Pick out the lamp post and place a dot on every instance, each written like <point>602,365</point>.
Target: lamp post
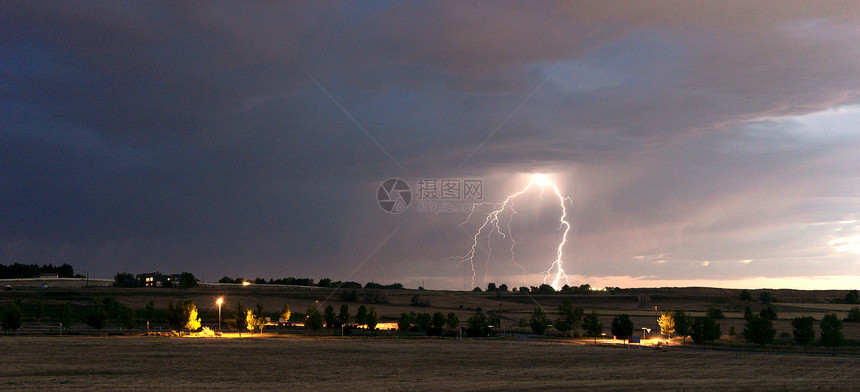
<point>219,301</point>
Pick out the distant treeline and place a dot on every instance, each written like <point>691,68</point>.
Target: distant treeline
<point>326,282</point>
<point>18,271</point>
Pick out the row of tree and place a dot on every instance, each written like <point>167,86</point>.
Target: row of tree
<point>758,328</point>
<point>325,282</point>
<point>314,320</point>
<point>570,318</point>
<point>433,325</point>
<point>19,271</point>
<point>542,289</point>
<point>701,329</point>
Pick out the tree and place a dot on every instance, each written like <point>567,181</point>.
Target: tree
<point>372,319</point>
<point>592,325</point>
<point>768,313</point>
<point>66,271</point>
<point>124,279</point>
<point>66,316</point>
<point>538,321</point>
<point>803,330</point>
<point>545,288</point>
<point>285,313</point>
<point>503,288</point>
<point>192,322</point>
<point>127,318</point>
<point>344,317</point>
<point>361,315</point>
<point>438,320</point>
<point>569,317</point>
<point>177,316</point>
<point>187,280</point>
<point>419,301</point>
<point>452,321</point>
<point>313,318</point>
<point>97,317</point>
<point>150,310</point>
<point>746,295</point>
<point>759,330</point>
<point>13,317</point>
<point>330,317</point>
<point>404,322</point>
<point>226,279</point>
<point>705,329</point>
<point>252,322</point>
<point>238,322</point>
<point>667,324</point>
<point>852,297</point>
<point>766,297</point>
<point>112,307</point>
<point>715,313</point>
<point>831,331</point>
<point>349,295</point>
<point>375,297</point>
<point>853,315</point>
<point>477,289</point>
<point>622,327</point>
<point>423,321</point>
<point>255,319</point>
<point>478,324</point>
<point>491,287</point>
<point>682,324</point>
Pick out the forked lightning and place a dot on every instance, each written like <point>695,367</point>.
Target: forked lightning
<point>492,226</point>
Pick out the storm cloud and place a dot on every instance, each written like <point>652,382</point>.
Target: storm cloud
<point>699,141</point>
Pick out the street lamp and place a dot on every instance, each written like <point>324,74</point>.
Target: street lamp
<point>219,301</point>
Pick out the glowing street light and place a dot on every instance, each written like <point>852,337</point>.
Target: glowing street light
<point>219,301</point>
<point>645,332</point>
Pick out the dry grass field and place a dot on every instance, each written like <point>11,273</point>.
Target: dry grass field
<point>638,303</point>
<point>292,363</point>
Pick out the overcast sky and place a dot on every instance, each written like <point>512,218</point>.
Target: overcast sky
<point>700,143</point>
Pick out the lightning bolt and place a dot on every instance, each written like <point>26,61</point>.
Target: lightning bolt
<point>492,225</point>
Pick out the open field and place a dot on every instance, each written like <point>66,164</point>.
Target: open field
<point>292,361</point>
<point>130,363</point>
<point>638,303</point>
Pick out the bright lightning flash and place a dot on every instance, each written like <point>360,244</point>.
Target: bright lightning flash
<point>492,226</point>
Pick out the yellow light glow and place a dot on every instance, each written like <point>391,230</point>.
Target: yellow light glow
<point>246,283</point>
<point>541,179</point>
<point>219,301</point>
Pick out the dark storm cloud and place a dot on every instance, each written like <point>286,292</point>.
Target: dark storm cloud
<point>228,137</point>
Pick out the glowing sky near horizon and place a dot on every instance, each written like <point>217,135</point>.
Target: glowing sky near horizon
<point>701,144</point>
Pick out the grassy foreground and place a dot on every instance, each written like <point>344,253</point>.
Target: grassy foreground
<point>292,363</point>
